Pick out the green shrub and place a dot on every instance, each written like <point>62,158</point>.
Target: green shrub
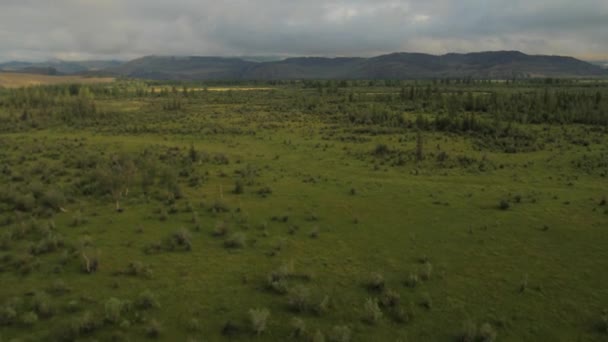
<point>147,300</point>
<point>298,298</point>
<point>504,204</point>
<point>426,271</point>
<point>89,262</point>
<point>180,240</point>
<point>372,313</point>
<point>298,327</point>
<point>237,240</point>
<point>486,333</point>
<point>390,299</point>
<point>604,322</point>
<point>113,309</point>
<point>29,318</point>
<point>323,306</point>
<point>258,318</point>
<point>85,324</point>
<point>239,187</point>
<point>221,229</point>
<point>412,280</point>
<point>153,329</point>
<point>340,333</point>
<point>41,305</point>
<point>469,332</point>
<point>318,336</point>
<point>426,301</point>
<point>138,269</point>
<point>375,282</point>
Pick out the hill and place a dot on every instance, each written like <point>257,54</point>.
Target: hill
<point>53,67</point>
<point>17,80</point>
<point>495,65</point>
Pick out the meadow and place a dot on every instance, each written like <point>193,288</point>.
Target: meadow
<point>447,210</point>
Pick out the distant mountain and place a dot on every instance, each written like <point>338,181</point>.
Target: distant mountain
<point>55,67</point>
<point>480,65</point>
<point>601,64</point>
<point>497,65</point>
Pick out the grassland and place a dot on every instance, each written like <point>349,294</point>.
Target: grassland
<point>309,212</point>
<point>17,80</point>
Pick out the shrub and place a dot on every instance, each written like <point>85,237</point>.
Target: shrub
<point>375,282</point>
<point>426,271</point>
<point>258,319</point>
<point>147,300</point>
<point>504,204</point>
<point>58,288</point>
<point>299,298</point>
<point>469,332</point>
<point>486,333</point>
<point>298,327</point>
<point>154,329</point>
<point>237,240</point>
<point>239,187</point>
<point>390,299</point>
<point>41,305</point>
<point>412,280</point>
<point>323,306</point>
<point>402,315</point>
<point>230,328</point>
<point>426,301</point>
<point>221,229</point>
<point>113,309</point>
<point>219,206</point>
<point>89,264</point>
<point>137,268</point>
<point>314,233</point>
<point>318,336</point>
<point>85,324</point>
<point>194,325</point>
<point>372,313</point>
<point>181,239</point>
<point>8,314</point>
<point>340,333</point>
<point>604,322</point>
<point>29,318</point>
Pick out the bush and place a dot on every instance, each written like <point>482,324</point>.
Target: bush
<point>85,324</point>
<point>239,187</point>
<point>181,239</point>
<point>469,332</point>
<point>340,333</point>
<point>221,229</point>
<point>298,327</point>
<point>426,301</point>
<point>372,313</point>
<point>604,322</point>
<point>89,264</point>
<point>219,206</point>
<point>426,271</point>
<point>258,319</point>
<point>486,333</point>
<point>41,305</point>
<point>299,298</point>
<point>323,306</point>
<point>154,329</point>
<point>8,314</point>
<point>375,282</point>
<point>237,240</point>
<point>29,318</point>
<point>113,309</point>
<point>504,204</point>
<point>137,268</point>
<point>390,299</point>
<point>147,300</point>
<point>318,336</point>
<point>412,280</point>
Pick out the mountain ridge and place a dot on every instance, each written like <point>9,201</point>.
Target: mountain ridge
<point>398,65</point>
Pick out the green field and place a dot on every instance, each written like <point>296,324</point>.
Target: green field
<point>316,211</point>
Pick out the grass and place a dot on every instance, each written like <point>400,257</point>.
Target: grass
<point>429,246</point>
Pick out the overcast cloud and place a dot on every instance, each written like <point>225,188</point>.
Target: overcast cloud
<point>103,29</point>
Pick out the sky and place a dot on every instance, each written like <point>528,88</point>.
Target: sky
<point>126,29</point>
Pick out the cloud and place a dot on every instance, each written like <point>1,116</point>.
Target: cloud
<point>75,29</point>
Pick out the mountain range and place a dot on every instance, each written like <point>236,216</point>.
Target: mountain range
<point>482,65</point>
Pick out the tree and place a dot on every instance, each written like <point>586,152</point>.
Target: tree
<point>419,146</point>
